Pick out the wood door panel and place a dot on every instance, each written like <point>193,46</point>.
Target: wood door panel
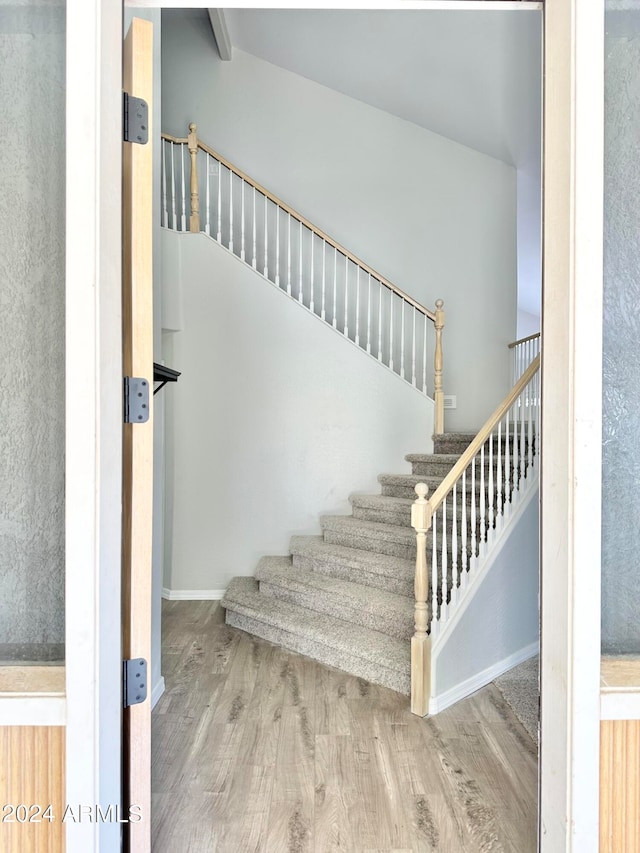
<point>137,287</point>
<point>32,761</point>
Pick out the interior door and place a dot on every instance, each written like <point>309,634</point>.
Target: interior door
<point>137,312</point>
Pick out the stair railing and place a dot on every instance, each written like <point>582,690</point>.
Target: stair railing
<point>301,259</point>
<point>523,352</point>
<point>466,514</point>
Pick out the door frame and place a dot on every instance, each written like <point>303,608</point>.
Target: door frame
<point>570,492</point>
<point>93,420</point>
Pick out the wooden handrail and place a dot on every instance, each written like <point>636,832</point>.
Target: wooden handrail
<point>178,140</point>
<point>463,463</point>
<point>524,340</point>
<point>300,218</point>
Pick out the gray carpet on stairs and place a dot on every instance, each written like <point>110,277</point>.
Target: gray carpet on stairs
<point>520,688</point>
<point>346,599</point>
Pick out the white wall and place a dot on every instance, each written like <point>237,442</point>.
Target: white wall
<point>276,419</point>
<point>530,241</point>
<point>528,324</point>
<point>435,217</point>
<point>500,625</point>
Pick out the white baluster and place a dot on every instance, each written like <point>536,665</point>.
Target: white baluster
<point>402,341</point>
<point>254,262</point>
<point>445,565</point>
<point>278,245</point>
<point>289,254</point>
<point>165,215</point>
<point>380,323</point>
<point>335,287</point>
<point>266,238</point>
<point>523,447</point>
<point>391,331</point>
<point>455,566</point>
<point>324,254</point>
<point>474,522</point>
<point>537,435</point>
<point>311,299</point>
<point>507,467</point>
<point>357,306</point>
<point>207,225</point>
<point>346,296</point>
<point>219,202</point>
<point>242,241</point>
<point>492,514</point>
<point>528,392</point>
<point>463,531</point>
<point>516,447</point>
<point>483,508</point>
<point>300,267</point>
<point>499,501</point>
<point>173,190</point>
<point>413,350</point>
<point>369,316</point>
<point>230,210</point>
<point>435,614</point>
<point>183,218</point>
<point>424,357</point>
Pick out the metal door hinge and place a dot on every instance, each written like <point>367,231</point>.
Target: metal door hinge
<point>134,681</point>
<point>136,120</point>
<point>136,400</point>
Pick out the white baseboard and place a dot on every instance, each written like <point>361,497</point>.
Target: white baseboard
<point>156,693</point>
<point>192,594</point>
<point>481,679</point>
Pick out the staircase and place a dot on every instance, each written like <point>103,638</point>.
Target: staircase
<point>346,598</point>
<point>412,594</point>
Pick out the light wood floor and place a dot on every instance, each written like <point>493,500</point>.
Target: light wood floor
<point>258,749</point>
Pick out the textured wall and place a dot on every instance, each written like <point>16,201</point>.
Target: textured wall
<point>32,323</point>
<point>621,345</point>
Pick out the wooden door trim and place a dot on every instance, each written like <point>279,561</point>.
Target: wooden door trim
<point>571,424</point>
<point>137,532</point>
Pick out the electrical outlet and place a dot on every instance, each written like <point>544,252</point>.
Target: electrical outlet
<point>450,401</point>
<point>214,166</point>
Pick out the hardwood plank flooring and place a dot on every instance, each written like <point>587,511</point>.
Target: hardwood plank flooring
<point>260,750</point>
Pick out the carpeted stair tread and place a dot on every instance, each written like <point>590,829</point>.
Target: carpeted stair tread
<point>393,539</point>
<point>390,532</point>
<point>406,483</point>
<point>372,608</point>
<point>368,568</point>
<point>353,648</point>
<point>384,508</point>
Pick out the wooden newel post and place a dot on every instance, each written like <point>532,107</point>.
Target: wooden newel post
<point>438,393</point>
<point>192,143</point>
<point>420,642</point>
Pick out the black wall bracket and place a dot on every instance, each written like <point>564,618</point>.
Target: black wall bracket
<point>163,375</point>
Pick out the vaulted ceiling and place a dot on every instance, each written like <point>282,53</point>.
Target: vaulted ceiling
<point>473,77</point>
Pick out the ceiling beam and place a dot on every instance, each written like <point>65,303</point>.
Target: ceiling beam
<point>221,33</point>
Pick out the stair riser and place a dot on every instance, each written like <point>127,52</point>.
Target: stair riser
<point>408,492</point>
<point>400,517</point>
<point>399,681</point>
<point>404,520</point>
<point>424,469</point>
<point>392,624</point>
<point>401,586</point>
<point>370,543</point>
<point>456,445</point>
